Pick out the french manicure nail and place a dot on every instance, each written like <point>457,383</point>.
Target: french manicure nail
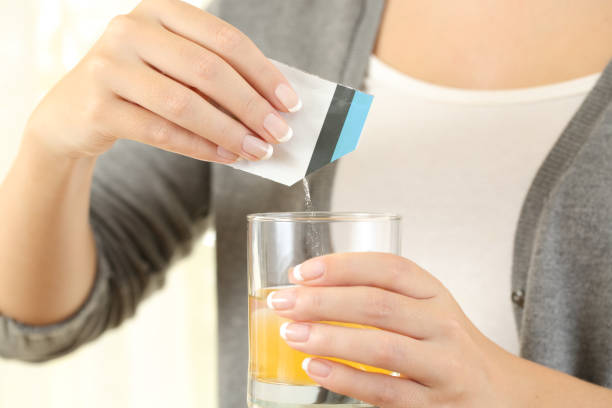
<point>226,154</point>
<point>295,332</point>
<point>254,146</point>
<point>310,270</point>
<point>289,98</point>
<point>281,300</point>
<point>316,368</point>
<point>278,128</point>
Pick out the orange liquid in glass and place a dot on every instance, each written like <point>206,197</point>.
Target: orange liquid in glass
<point>271,359</point>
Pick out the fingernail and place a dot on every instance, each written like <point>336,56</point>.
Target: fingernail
<point>309,270</point>
<point>289,98</point>
<point>281,300</point>
<point>226,154</point>
<point>295,332</point>
<point>316,368</point>
<point>278,128</point>
<point>257,147</point>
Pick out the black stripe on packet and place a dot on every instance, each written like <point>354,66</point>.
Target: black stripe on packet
<point>332,127</point>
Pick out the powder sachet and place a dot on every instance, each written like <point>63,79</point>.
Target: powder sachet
<point>326,128</point>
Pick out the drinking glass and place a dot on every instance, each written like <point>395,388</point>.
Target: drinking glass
<point>277,242</point>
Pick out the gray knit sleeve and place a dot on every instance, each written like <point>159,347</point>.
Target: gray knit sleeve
<point>146,207</point>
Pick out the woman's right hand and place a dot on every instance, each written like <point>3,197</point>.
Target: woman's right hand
<point>172,76</point>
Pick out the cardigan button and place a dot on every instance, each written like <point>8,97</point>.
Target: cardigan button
<point>518,297</point>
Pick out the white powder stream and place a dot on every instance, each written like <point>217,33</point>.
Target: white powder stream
<point>313,239</point>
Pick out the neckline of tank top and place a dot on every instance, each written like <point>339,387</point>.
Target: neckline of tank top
<point>383,74</point>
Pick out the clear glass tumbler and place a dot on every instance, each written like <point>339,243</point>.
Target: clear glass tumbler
<point>277,242</point>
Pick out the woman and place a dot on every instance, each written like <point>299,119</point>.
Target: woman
<point>78,255</point>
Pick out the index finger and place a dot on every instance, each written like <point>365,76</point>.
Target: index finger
<point>381,270</point>
<point>234,47</point>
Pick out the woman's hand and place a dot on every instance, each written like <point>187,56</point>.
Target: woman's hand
<point>168,75</point>
<point>173,76</point>
<point>442,358</point>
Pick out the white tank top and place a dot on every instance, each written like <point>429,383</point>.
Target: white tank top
<point>456,164</point>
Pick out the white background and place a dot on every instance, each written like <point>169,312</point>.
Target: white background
<point>167,355</point>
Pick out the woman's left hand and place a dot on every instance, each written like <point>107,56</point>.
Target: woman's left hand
<point>443,360</point>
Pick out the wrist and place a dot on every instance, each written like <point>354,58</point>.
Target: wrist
<point>48,170</point>
<point>510,376</point>
<point>40,154</point>
<point>506,375</point>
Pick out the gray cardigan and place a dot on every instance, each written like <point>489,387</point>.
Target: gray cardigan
<point>148,205</point>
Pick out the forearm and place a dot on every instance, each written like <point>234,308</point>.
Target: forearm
<point>528,384</point>
<point>47,253</point>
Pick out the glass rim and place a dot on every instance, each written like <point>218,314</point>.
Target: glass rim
<point>320,216</point>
